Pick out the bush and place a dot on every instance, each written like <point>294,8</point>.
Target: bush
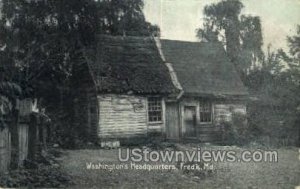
<point>43,177</point>
<point>273,126</point>
<point>47,173</point>
<point>236,131</point>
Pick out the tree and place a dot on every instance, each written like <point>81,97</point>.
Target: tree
<point>294,64</point>
<point>43,40</point>
<point>278,92</point>
<point>251,42</point>
<point>294,44</point>
<point>243,35</point>
<point>125,17</point>
<point>224,16</point>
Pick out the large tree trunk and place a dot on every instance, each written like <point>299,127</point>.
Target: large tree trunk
<point>233,46</point>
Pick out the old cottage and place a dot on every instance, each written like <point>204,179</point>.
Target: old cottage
<point>135,86</point>
<point>121,93</point>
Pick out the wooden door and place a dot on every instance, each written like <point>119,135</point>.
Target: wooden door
<point>190,121</point>
<point>172,120</point>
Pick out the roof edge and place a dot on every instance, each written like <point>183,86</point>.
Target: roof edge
<point>170,68</point>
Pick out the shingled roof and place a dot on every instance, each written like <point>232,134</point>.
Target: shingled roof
<point>203,68</point>
<point>130,64</point>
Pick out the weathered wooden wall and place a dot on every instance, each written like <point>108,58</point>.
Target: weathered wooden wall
<point>5,150</point>
<point>23,143</point>
<point>222,110</point>
<point>5,146</point>
<point>125,116</point>
<point>122,116</point>
<point>25,107</point>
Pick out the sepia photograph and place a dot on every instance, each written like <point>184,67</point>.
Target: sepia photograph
<point>150,94</point>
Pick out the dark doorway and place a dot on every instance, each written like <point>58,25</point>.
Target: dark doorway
<point>190,121</point>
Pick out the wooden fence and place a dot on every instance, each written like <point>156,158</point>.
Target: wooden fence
<point>23,142</point>
<point>29,126</point>
<point>5,149</point>
<point>28,134</point>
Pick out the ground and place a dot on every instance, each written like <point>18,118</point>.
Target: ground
<point>282,174</point>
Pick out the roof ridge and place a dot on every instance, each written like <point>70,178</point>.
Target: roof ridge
<point>192,42</point>
<point>123,37</point>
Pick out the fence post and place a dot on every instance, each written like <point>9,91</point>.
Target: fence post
<point>14,164</point>
<point>33,136</point>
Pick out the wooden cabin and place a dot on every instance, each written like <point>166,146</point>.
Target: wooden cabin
<point>211,90</point>
<point>135,86</point>
<point>121,93</point>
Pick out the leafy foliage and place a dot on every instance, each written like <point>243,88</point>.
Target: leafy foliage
<point>47,174</point>
<point>294,44</point>
<point>251,42</point>
<point>43,177</point>
<point>237,131</point>
<point>41,42</point>
<point>41,39</point>
<point>243,35</point>
<point>275,112</point>
<point>9,92</point>
<point>125,18</point>
<point>273,78</point>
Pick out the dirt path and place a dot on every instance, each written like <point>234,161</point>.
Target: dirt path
<point>283,174</point>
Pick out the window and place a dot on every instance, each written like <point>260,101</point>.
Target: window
<point>154,109</point>
<point>205,112</point>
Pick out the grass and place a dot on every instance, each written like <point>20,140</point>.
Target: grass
<point>283,174</point>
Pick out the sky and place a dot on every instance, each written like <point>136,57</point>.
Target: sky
<point>179,19</point>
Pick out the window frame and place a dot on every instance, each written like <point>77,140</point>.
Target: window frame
<point>160,100</point>
<point>210,105</point>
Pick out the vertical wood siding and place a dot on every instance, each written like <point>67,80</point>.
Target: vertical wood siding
<point>122,116</point>
<point>5,150</point>
<point>23,142</point>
